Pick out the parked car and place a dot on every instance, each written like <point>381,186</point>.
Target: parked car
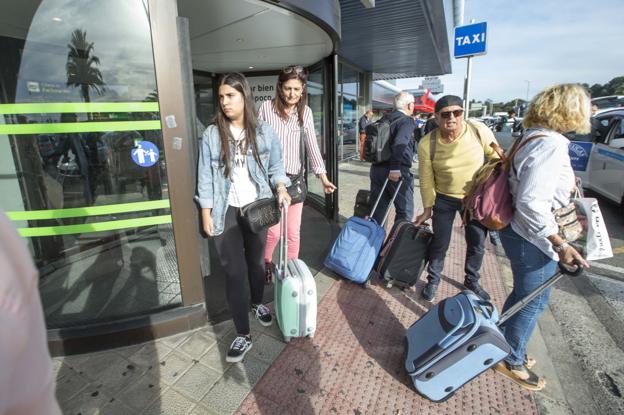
<point>611,101</point>
<point>604,168</point>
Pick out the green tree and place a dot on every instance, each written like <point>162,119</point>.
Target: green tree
<point>82,66</point>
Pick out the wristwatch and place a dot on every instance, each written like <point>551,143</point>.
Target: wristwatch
<point>560,248</point>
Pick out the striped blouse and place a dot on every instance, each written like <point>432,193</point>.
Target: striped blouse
<point>289,133</point>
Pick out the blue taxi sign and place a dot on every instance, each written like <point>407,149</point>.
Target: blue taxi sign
<point>470,40</point>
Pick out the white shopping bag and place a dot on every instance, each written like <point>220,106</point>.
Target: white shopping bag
<point>595,243</point>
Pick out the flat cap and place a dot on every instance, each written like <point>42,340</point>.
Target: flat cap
<point>447,101</point>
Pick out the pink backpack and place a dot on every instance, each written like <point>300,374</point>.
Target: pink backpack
<point>488,199</point>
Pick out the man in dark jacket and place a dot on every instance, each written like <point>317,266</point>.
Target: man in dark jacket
<point>397,169</point>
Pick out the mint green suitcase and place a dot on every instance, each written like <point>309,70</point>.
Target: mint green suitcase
<point>295,292</point>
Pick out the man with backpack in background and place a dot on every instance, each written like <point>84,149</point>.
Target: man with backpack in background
<point>448,158</point>
<point>393,136</point>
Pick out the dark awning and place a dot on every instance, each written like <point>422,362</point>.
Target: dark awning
<point>396,38</point>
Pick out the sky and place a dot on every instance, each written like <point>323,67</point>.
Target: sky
<point>543,42</point>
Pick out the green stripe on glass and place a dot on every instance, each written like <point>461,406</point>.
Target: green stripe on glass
<point>94,227</point>
<point>77,107</point>
<point>88,211</point>
<point>79,127</point>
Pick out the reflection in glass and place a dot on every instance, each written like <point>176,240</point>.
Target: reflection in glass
<point>112,255</point>
<point>348,129</point>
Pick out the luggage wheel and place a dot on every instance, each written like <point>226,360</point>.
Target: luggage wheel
<point>287,339</point>
<point>389,284</point>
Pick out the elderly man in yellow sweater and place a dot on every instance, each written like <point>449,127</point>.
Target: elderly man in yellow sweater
<point>448,157</point>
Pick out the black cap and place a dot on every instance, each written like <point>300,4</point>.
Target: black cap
<point>447,101</point>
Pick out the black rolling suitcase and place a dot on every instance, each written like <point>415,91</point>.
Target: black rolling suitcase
<point>362,204</point>
<point>404,255</point>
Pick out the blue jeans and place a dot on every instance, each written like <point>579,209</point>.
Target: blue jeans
<point>445,209</point>
<point>530,267</point>
<point>404,202</point>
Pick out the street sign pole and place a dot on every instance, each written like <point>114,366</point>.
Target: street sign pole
<point>467,87</point>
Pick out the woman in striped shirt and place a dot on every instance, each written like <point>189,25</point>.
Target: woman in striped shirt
<point>288,113</point>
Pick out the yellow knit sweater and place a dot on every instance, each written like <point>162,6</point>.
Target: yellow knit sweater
<point>454,163</point>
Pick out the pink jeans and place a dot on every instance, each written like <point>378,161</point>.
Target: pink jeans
<point>294,236</point>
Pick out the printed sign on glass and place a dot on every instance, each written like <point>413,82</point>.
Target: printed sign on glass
<point>145,153</point>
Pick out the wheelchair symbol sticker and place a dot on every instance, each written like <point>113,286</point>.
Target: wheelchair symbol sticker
<point>145,154</point>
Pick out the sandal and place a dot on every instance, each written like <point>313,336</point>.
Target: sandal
<point>529,361</point>
<point>521,375</point>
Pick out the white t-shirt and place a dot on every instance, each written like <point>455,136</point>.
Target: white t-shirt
<point>242,190</point>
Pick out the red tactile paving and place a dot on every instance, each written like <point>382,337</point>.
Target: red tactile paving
<point>354,364</point>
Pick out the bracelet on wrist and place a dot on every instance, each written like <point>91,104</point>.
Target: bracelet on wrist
<point>561,247</point>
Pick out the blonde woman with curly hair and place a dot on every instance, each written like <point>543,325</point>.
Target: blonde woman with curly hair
<point>541,180</point>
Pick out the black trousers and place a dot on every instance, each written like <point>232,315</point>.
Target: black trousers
<point>444,210</point>
<point>234,244</point>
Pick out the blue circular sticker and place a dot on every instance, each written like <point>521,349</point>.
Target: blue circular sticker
<point>145,153</point>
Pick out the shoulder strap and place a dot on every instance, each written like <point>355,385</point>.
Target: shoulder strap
<point>301,151</point>
<point>432,144</point>
<point>476,131</point>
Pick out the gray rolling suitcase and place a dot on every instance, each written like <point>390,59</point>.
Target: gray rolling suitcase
<point>458,339</point>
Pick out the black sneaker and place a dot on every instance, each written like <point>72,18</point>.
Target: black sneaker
<point>240,346</point>
<point>429,292</point>
<point>476,288</point>
<point>263,314</point>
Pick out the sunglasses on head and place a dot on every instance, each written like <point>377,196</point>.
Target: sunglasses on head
<point>447,114</point>
<point>298,69</point>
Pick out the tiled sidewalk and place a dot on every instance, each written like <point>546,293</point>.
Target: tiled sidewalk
<point>354,365</point>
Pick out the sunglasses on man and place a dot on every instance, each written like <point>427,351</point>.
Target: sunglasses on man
<point>447,114</point>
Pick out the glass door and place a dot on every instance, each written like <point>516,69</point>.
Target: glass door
<point>83,174</point>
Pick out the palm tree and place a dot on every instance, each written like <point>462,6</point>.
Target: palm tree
<point>81,66</point>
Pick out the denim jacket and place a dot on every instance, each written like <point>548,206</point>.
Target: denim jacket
<point>213,187</point>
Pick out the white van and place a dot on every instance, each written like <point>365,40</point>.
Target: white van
<point>603,170</point>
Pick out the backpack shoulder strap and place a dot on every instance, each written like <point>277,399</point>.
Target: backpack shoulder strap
<point>432,144</point>
<point>475,130</point>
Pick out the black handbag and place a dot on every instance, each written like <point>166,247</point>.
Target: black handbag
<point>260,214</point>
<point>298,189</point>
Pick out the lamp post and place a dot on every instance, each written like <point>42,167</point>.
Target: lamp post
<point>528,86</point>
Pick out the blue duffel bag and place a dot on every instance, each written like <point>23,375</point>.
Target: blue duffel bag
<point>356,248</point>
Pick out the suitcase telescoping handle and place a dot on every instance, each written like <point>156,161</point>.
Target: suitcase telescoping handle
<point>383,188</point>
<point>283,244</point>
<point>563,270</point>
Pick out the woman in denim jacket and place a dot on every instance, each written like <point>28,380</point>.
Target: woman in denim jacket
<point>240,161</point>
<point>541,180</point>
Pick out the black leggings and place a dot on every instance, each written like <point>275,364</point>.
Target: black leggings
<point>234,243</point>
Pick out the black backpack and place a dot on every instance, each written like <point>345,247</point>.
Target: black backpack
<point>377,143</point>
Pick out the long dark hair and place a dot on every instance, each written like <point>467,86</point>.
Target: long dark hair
<point>250,120</point>
<point>279,102</point>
